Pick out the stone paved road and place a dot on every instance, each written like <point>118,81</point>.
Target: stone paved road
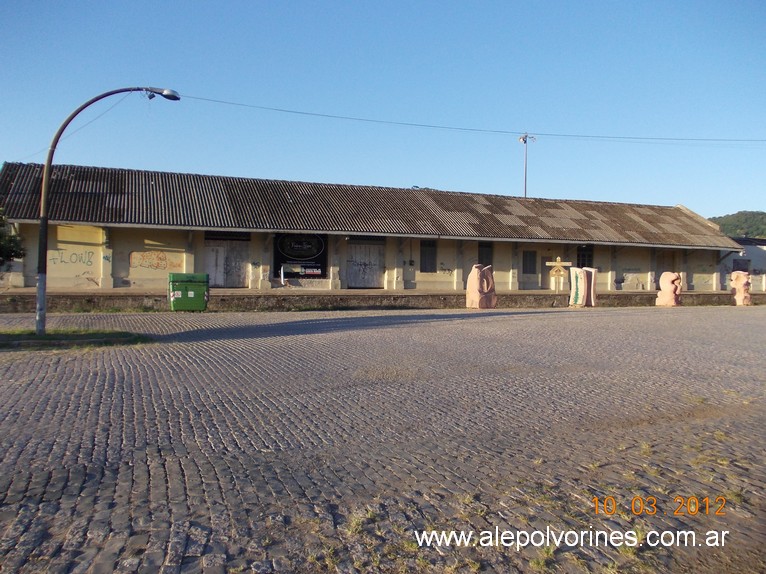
<point>321,441</point>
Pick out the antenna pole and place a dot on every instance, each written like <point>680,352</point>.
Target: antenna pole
<point>524,139</point>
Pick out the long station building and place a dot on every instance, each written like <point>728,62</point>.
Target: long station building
<point>119,228</point>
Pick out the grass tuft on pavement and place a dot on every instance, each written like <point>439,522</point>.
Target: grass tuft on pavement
<point>68,338</point>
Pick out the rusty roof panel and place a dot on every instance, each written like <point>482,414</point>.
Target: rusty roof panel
<point>536,231</point>
<point>562,222</point>
<point>107,196</point>
<point>509,219</point>
<point>636,237</point>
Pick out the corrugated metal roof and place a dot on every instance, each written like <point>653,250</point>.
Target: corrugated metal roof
<point>122,197</point>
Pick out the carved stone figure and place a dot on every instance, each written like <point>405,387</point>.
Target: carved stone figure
<point>582,285</point>
<point>480,288</point>
<point>578,285</point>
<point>590,276</point>
<point>670,290</point>
<point>740,283</point>
<point>632,282</point>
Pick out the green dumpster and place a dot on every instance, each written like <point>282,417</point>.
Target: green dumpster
<point>188,291</point>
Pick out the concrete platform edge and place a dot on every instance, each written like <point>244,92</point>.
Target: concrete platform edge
<point>230,300</point>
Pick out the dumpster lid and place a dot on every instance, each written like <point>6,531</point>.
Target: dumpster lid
<point>188,277</point>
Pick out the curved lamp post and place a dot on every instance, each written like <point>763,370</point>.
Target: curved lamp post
<point>42,252</point>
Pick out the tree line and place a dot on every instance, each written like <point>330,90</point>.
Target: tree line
<point>743,224</point>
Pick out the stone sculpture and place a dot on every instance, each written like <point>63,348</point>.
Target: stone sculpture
<point>582,284</point>
<point>740,283</point>
<point>632,282</point>
<point>670,290</point>
<point>578,284</point>
<point>591,273</point>
<point>480,288</point>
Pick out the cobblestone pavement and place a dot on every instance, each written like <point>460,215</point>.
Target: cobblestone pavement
<point>322,441</point>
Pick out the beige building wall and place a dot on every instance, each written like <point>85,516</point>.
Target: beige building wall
<point>543,253</point>
<point>261,245</point>
<point>26,273</point>
<point>143,258</point>
<point>76,256</point>
<point>602,260</point>
<point>470,257</point>
<point>634,269</point>
<point>502,266</point>
<point>395,263</point>
<point>409,262</point>
<point>701,269</point>
<point>340,249</point>
<point>83,257</point>
<point>502,263</point>
<point>334,247</point>
<point>449,267</point>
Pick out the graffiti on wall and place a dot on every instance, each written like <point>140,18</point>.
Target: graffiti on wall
<point>67,257</point>
<point>156,260</point>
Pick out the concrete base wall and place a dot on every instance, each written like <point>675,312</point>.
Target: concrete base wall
<point>127,302</point>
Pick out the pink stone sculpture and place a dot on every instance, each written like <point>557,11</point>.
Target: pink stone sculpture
<point>472,287</point>
<point>740,283</point>
<point>480,288</point>
<point>488,282</point>
<point>590,276</point>
<point>670,290</point>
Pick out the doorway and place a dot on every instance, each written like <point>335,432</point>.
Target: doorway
<point>226,261</point>
<point>366,263</point>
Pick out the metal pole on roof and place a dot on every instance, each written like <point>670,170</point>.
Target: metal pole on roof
<point>524,139</point>
<point>42,246</point>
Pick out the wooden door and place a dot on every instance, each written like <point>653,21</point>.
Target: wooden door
<point>226,262</point>
<point>365,265</point>
<point>235,263</point>
<point>215,253</point>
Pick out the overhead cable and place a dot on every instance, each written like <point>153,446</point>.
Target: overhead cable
<point>479,130</point>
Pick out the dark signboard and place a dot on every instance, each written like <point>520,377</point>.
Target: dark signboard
<point>300,256</point>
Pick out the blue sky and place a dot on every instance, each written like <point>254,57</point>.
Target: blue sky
<point>562,71</point>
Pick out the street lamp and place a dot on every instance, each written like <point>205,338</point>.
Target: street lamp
<point>42,251</point>
<point>524,139</point>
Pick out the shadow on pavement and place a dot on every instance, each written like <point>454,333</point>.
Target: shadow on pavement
<point>330,325</point>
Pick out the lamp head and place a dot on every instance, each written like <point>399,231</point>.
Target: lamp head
<point>166,93</point>
<point>171,95</point>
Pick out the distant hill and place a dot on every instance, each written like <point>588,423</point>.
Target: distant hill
<point>743,224</point>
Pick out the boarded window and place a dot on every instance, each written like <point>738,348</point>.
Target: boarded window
<point>741,265</point>
<point>485,253</point>
<point>529,262</point>
<point>585,256</point>
<point>427,256</point>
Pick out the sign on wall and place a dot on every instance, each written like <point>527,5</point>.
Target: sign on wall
<point>300,256</point>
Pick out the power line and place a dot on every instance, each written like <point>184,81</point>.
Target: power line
<point>480,130</point>
<point>82,127</point>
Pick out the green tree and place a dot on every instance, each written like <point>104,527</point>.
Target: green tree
<point>743,224</point>
<point>10,244</point>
